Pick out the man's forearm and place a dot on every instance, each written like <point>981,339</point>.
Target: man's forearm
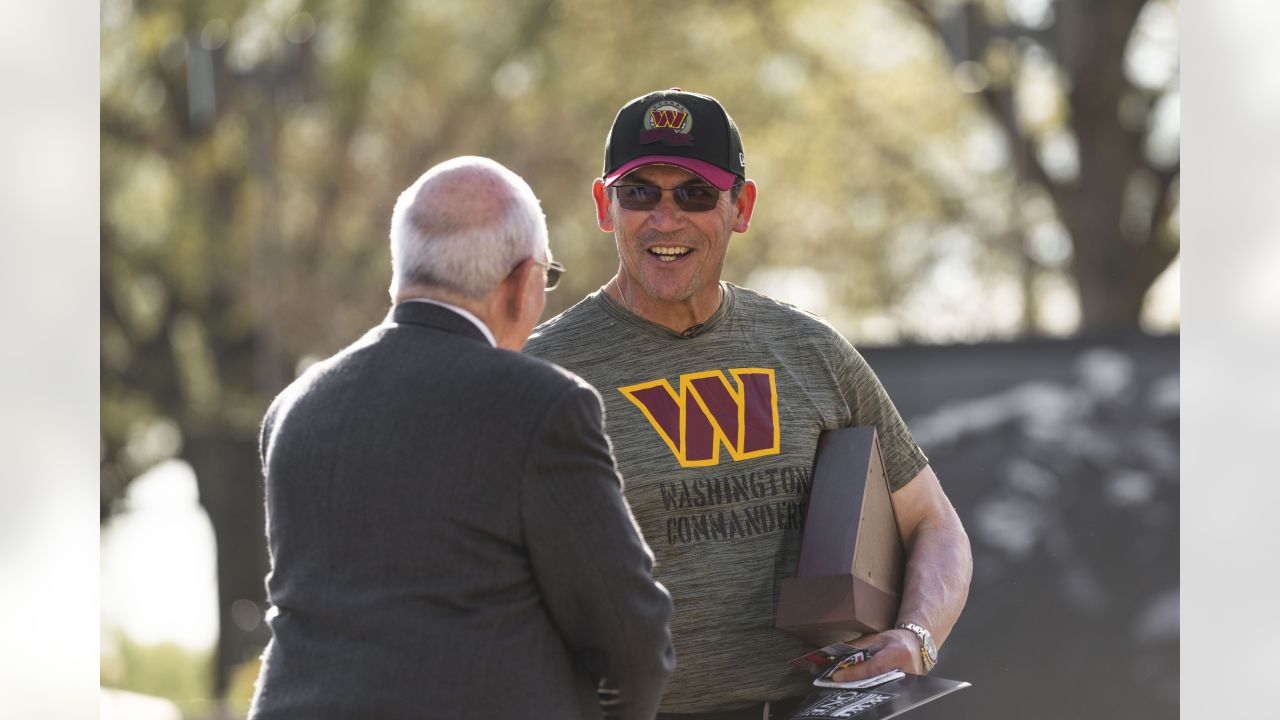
<point>939,567</point>
<point>936,585</point>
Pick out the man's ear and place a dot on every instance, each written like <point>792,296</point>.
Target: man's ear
<point>516,304</point>
<point>744,206</point>
<point>600,194</point>
<point>518,287</point>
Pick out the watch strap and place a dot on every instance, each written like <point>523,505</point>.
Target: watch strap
<point>928,651</point>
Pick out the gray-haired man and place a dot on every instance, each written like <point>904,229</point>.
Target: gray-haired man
<point>447,527</point>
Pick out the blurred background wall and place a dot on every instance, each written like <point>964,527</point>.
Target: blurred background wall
<point>982,195</point>
<point>1061,457</point>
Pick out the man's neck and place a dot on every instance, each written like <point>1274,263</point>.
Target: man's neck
<point>678,316</point>
<point>477,313</point>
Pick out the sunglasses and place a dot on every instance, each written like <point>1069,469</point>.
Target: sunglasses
<point>690,198</point>
<point>554,271</point>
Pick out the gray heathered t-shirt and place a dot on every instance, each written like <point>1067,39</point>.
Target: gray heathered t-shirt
<point>715,438</point>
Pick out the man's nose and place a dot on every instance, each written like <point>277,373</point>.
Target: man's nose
<point>666,214</point>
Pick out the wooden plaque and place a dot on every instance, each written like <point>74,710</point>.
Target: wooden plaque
<point>849,577</point>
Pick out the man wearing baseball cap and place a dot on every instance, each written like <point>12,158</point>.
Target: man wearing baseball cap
<point>715,397</point>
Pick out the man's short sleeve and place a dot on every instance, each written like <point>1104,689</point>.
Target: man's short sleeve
<point>872,407</point>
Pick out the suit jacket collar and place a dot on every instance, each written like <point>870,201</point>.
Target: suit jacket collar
<point>438,317</point>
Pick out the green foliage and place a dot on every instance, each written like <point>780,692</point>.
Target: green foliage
<point>176,673</point>
<point>166,670</point>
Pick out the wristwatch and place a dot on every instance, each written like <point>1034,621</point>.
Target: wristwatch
<point>928,650</point>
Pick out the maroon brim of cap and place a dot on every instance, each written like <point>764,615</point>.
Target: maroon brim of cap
<point>722,179</point>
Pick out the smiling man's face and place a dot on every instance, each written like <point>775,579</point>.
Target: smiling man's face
<point>670,256</point>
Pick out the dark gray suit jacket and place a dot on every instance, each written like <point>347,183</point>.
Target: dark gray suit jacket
<point>449,539</point>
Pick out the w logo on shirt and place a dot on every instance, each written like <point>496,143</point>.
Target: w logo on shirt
<point>710,412</point>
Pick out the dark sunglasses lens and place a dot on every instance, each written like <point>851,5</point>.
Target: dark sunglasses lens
<point>697,198</point>
<point>692,198</point>
<point>639,197</point>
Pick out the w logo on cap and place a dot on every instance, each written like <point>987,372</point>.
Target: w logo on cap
<point>709,412</point>
<point>667,118</point>
<point>668,121</point>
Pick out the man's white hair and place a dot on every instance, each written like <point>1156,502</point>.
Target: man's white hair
<point>463,227</point>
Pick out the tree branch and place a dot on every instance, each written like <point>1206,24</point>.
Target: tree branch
<point>1157,253</point>
<point>1161,208</point>
<point>999,103</point>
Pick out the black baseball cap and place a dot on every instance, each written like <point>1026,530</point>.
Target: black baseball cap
<point>674,127</point>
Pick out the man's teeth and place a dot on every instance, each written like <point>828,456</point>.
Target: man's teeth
<point>668,254</point>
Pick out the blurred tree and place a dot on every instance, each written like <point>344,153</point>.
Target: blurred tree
<point>1086,93</point>
<point>242,174</point>
<point>192,253</point>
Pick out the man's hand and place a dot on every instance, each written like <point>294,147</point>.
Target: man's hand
<point>898,649</point>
